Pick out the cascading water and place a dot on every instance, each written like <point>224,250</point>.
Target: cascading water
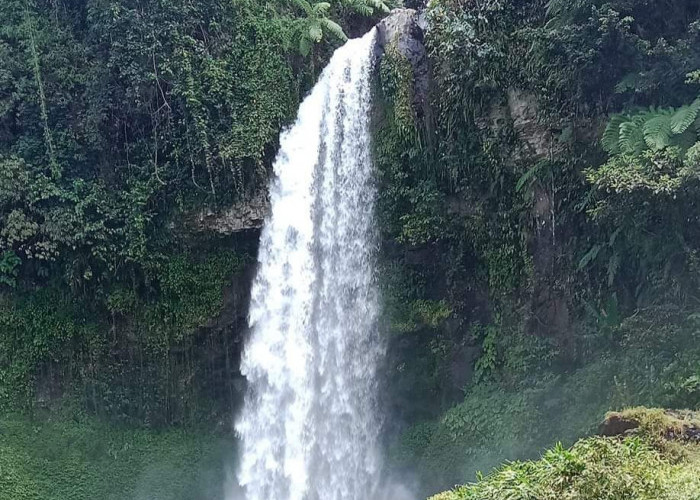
<point>310,425</point>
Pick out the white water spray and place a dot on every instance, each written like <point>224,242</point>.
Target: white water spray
<point>310,426</point>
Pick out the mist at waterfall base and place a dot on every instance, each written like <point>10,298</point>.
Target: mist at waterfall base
<point>311,425</point>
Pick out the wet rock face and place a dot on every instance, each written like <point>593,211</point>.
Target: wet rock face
<point>524,111</point>
<point>404,28</point>
<point>238,217</point>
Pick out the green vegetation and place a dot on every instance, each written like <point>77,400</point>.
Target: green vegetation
<point>529,403</point>
<point>540,234</point>
<point>121,122</point>
<point>650,457</point>
<point>83,459</point>
<point>128,359</point>
<point>600,468</point>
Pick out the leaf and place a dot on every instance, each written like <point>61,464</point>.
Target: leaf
<point>530,174</point>
<point>684,117</point>
<point>315,33</point>
<point>613,266</point>
<point>379,5</point>
<point>631,137</point>
<point>613,236</point>
<point>305,46</point>
<point>611,135</point>
<point>590,256</point>
<point>334,28</point>
<point>321,8</point>
<point>657,131</point>
<point>360,6</point>
<point>305,6</point>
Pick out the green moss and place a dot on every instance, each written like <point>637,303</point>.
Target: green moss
<point>669,431</point>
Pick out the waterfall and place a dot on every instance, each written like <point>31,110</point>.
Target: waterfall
<point>309,425</point>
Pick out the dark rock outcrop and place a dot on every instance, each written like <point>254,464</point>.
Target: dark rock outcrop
<point>240,216</point>
<point>404,28</point>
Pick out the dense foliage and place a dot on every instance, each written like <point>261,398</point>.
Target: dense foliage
<point>121,123</point>
<point>539,226</point>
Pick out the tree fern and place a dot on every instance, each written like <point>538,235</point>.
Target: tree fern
<point>360,6</point>
<point>305,6</point>
<point>321,8</point>
<point>368,7</point>
<point>315,32</point>
<point>379,6</point>
<point>316,23</point>
<point>305,45</point>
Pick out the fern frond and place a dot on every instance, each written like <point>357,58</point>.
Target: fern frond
<point>657,131</point>
<point>631,137</point>
<point>321,8</point>
<point>528,176</point>
<point>334,28</point>
<point>360,6</point>
<point>611,135</point>
<point>364,10</point>
<point>315,32</point>
<point>590,256</point>
<point>378,5</point>
<point>684,117</point>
